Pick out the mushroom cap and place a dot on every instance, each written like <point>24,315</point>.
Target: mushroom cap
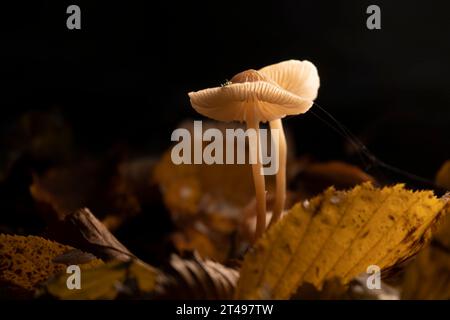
<point>285,88</point>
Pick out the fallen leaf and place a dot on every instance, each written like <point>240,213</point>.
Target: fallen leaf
<point>338,235</point>
<point>313,178</point>
<point>107,281</point>
<point>198,278</point>
<point>83,230</point>
<point>28,261</point>
<point>74,256</point>
<point>428,277</point>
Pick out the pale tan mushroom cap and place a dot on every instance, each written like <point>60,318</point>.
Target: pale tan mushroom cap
<point>285,88</point>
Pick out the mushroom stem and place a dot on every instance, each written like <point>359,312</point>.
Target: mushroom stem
<point>258,179</point>
<point>280,192</point>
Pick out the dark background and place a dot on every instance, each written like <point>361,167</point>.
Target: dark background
<point>123,78</point>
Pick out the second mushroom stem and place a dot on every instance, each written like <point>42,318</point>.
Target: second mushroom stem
<point>258,176</point>
<point>280,192</point>
<point>258,179</point>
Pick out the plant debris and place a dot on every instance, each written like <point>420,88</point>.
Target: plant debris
<point>26,262</point>
<point>145,228</point>
<point>338,234</point>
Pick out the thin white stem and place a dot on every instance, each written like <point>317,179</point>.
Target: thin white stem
<point>258,180</point>
<point>280,192</point>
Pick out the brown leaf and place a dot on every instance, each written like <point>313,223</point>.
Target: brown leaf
<point>198,278</point>
<point>428,277</point>
<point>338,235</point>
<point>193,278</point>
<point>28,261</point>
<point>83,230</point>
<point>74,256</point>
<point>316,177</point>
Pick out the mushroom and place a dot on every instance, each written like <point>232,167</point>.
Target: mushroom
<point>266,95</point>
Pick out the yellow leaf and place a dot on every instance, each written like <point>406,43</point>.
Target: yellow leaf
<point>105,281</point>
<point>338,235</point>
<point>25,262</point>
<point>144,275</point>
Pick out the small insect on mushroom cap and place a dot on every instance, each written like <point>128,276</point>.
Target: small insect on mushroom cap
<point>285,88</point>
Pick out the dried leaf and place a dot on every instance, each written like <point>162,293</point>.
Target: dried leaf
<point>338,235</point>
<point>428,277</point>
<point>28,261</point>
<point>107,281</point>
<point>83,230</point>
<point>74,256</point>
<point>198,278</point>
<point>314,178</point>
<point>193,278</point>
